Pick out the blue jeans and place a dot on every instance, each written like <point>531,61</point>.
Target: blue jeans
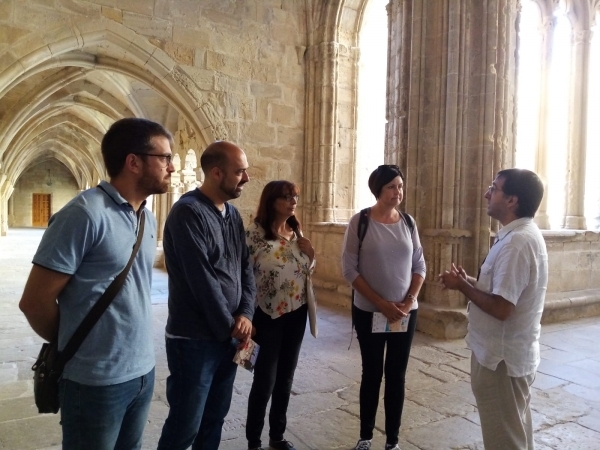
<point>199,392</point>
<point>105,417</point>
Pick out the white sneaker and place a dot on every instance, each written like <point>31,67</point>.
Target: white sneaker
<point>363,445</point>
<point>390,447</point>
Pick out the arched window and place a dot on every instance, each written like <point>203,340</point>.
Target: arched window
<point>544,103</point>
<point>558,116</point>
<point>372,76</point>
<point>530,53</point>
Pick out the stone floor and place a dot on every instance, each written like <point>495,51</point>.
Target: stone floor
<point>439,411</point>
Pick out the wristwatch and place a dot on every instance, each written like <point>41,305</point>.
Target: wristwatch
<point>412,297</point>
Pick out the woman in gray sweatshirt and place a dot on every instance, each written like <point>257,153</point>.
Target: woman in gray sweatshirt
<point>386,269</point>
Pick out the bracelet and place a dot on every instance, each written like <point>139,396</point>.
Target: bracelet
<point>412,297</point>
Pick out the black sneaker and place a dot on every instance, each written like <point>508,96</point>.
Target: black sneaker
<point>281,445</point>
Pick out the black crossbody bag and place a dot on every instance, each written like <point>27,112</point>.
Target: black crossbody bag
<point>50,363</point>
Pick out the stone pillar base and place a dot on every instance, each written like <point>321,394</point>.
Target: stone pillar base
<point>564,306</point>
<point>442,322</point>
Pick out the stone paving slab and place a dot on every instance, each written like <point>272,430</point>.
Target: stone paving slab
<point>450,433</point>
<point>566,434</point>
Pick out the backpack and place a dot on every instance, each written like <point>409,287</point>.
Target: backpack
<point>363,224</point>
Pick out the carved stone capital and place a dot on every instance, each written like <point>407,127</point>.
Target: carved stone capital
<point>324,51</point>
<point>547,25</point>
<point>582,37</point>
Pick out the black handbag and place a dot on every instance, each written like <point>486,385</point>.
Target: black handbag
<point>50,363</point>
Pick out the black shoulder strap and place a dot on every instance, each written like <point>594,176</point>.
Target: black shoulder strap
<point>363,224</point>
<point>410,222</point>
<point>102,304</point>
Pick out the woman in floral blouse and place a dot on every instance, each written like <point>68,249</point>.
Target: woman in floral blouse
<point>282,261</point>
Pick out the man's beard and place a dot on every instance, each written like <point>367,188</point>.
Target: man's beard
<point>151,185</point>
<point>231,192</point>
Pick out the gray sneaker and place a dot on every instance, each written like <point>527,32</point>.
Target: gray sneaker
<point>363,445</point>
<point>391,447</point>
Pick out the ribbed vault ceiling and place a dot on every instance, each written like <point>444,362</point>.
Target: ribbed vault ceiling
<point>62,113</point>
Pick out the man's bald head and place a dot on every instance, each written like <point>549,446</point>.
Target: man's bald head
<point>218,154</point>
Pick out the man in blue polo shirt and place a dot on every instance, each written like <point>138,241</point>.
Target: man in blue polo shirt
<point>106,388</point>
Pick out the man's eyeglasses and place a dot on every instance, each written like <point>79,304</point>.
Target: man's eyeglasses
<point>164,159</point>
<point>288,198</point>
<point>493,189</point>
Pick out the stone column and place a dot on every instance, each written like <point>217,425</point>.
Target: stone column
<point>547,30</point>
<point>4,188</point>
<point>11,211</point>
<point>321,114</point>
<point>188,173</point>
<point>460,133</point>
<point>574,202</point>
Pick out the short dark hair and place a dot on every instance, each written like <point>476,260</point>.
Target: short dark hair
<point>382,176</point>
<point>265,215</point>
<point>126,136</point>
<point>215,155</point>
<point>525,185</point>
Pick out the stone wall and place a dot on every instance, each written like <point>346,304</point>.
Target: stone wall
<point>34,180</point>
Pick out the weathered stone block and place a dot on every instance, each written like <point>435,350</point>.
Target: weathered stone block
<point>10,35</point>
<point>229,65</point>
<point>111,3</point>
<point>190,36</point>
<point>145,7</point>
<point>283,115</point>
<point>279,153</point>
<point>220,18</point>
<point>283,33</point>
<point>38,18</point>
<point>265,90</point>
<point>112,14</point>
<point>81,8</point>
<point>180,53</point>
<point>148,26</point>
<point>260,133</point>
<point>6,10</point>
<point>230,85</point>
<point>290,136</point>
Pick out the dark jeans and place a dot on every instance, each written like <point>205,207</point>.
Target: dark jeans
<point>280,340</point>
<point>372,347</point>
<point>199,391</point>
<point>105,417</point>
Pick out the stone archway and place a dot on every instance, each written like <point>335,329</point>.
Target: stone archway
<point>60,90</point>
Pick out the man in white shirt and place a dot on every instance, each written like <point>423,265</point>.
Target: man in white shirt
<point>505,309</point>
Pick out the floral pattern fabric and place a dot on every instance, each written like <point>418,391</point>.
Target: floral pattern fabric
<point>280,270</point>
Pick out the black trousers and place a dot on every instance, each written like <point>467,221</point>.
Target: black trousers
<point>280,341</point>
<point>372,349</point>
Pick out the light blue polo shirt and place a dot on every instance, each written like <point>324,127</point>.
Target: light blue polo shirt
<point>91,238</point>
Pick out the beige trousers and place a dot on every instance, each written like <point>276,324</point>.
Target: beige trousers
<point>503,404</point>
